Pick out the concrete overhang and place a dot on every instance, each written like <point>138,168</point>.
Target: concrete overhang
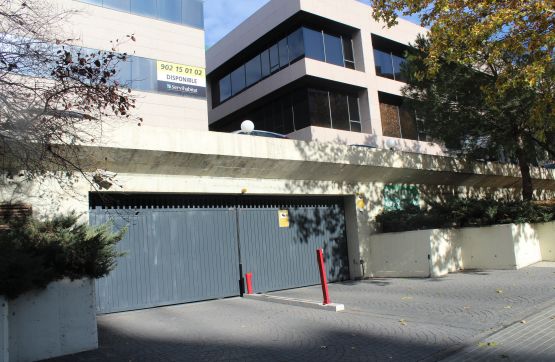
<point>175,152</point>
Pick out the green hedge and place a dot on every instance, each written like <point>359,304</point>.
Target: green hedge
<point>34,253</point>
<point>465,213</point>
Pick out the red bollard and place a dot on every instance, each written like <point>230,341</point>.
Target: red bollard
<point>322,267</point>
<point>248,278</point>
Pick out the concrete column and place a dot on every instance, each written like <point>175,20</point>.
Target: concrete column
<point>4,331</point>
<point>353,244</point>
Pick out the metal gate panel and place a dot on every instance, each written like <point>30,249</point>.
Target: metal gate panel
<point>285,257</point>
<point>173,255</point>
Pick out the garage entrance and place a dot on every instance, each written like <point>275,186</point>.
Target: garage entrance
<point>185,248</point>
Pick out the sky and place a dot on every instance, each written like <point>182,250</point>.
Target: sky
<point>222,16</point>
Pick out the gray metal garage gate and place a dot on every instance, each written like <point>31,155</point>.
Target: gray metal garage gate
<point>185,248</point>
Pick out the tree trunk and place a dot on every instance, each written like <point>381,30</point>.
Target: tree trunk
<point>527,186</point>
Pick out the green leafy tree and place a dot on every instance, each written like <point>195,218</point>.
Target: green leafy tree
<point>485,75</point>
<point>461,107</point>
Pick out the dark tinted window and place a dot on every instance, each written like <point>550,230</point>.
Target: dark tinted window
<point>225,88</point>
<point>348,53</point>
<point>408,123</point>
<point>296,46</point>
<point>348,49</point>
<point>301,116</point>
<point>334,49</point>
<point>283,53</point>
<point>193,13</point>
<point>384,67</point>
<point>397,66</point>
<point>170,10</point>
<point>265,60</point>
<point>356,127</point>
<point>253,71</point>
<point>277,117</point>
<point>117,4</point>
<point>287,113</point>
<point>319,107</point>
<point>141,7</point>
<point>274,58</point>
<point>238,80</point>
<point>313,44</point>
<point>339,111</point>
<point>354,114</point>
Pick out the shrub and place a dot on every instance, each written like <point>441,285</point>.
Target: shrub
<point>34,253</point>
<point>466,213</point>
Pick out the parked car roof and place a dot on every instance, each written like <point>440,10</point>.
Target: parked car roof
<point>262,134</point>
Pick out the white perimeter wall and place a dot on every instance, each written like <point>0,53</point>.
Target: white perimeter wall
<point>436,252</point>
<point>56,321</point>
<point>546,234</point>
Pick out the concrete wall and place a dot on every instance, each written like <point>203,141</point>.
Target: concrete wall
<point>487,247</point>
<point>328,135</point>
<point>53,322</point>
<point>509,246</point>
<point>400,254</point>
<point>445,252</point>
<point>546,234</point>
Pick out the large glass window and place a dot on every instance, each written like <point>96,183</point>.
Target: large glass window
<point>334,49</point>
<point>265,63</point>
<point>193,13</point>
<point>314,44</point>
<point>397,120</point>
<point>238,80</point>
<point>170,10</point>
<point>117,4</point>
<point>384,66</point>
<point>348,54</point>
<point>302,42</point>
<point>188,12</point>
<point>299,101</point>
<point>296,45</point>
<point>225,88</point>
<point>354,114</point>
<point>283,53</point>
<point>253,71</point>
<point>274,58</point>
<point>141,7</point>
<point>339,111</point>
<point>143,73</point>
<point>319,106</point>
<point>397,68</point>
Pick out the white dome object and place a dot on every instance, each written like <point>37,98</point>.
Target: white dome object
<point>247,126</point>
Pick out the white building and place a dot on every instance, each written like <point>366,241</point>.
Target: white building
<point>316,70</point>
<point>203,208</point>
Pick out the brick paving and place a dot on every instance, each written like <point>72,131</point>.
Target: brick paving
<point>385,320</point>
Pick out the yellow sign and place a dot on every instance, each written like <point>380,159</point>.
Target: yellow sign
<point>283,218</point>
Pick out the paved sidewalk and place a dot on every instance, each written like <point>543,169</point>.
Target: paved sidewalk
<point>531,339</point>
<point>384,320</point>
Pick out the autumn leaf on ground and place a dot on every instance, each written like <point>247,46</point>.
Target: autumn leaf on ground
<point>487,344</point>
<point>403,322</point>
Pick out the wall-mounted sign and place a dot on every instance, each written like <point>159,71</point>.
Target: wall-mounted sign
<point>283,218</point>
<point>181,79</point>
